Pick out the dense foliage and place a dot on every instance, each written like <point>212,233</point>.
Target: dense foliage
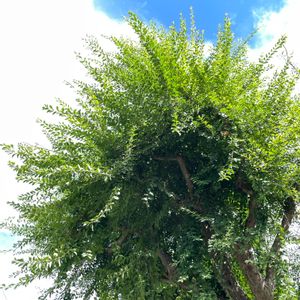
<point>175,176</point>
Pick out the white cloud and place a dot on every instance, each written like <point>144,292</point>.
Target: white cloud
<point>38,39</point>
<point>273,24</point>
<point>31,292</point>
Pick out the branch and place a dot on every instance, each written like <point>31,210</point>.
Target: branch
<point>183,169</point>
<point>256,282</point>
<point>246,188</point>
<point>183,202</point>
<point>288,60</point>
<point>167,263</point>
<point>251,220</point>
<point>185,174</point>
<point>119,241</point>
<point>289,209</point>
<point>243,253</point>
<point>229,282</point>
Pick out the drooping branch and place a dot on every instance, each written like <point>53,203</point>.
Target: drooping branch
<point>289,210</point>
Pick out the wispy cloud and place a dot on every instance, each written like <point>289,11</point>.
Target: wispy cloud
<point>273,24</point>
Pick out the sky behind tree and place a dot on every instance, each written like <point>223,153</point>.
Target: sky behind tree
<point>38,40</point>
<point>208,14</point>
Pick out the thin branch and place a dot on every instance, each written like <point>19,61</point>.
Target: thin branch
<point>165,158</point>
<point>289,61</point>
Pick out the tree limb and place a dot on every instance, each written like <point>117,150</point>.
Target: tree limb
<point>183,169</point>
<point>168,266</point>
<point>256,282</point>
<point>251,220</point>
<point>243,252</point>
<point>185,174</point>
<point>120,240</point>
<point>246,188</point>
<point>229,282</point>
<point>288,60</point>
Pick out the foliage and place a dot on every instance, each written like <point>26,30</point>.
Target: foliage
<point>175,176</point>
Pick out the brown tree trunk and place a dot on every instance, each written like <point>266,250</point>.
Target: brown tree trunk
<point>229,282</point>
<point>257,283</point>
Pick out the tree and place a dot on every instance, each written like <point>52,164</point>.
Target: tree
<point>175,176</point>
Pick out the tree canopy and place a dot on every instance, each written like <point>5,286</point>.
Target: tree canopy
<point>175,176</point>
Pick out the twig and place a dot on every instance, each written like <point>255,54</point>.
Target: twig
<point>288,60</point>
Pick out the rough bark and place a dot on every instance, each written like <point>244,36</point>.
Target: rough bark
<point>227,279</point>
<point>257,283</point>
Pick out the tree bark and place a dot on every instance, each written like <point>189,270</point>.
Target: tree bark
<point>257,283</point>
<point>167,264</point>
<point>228,280</point>
<point>243,252</point>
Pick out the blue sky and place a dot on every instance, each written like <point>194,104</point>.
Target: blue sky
<point>208,13</point>
<point>6,241</point>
